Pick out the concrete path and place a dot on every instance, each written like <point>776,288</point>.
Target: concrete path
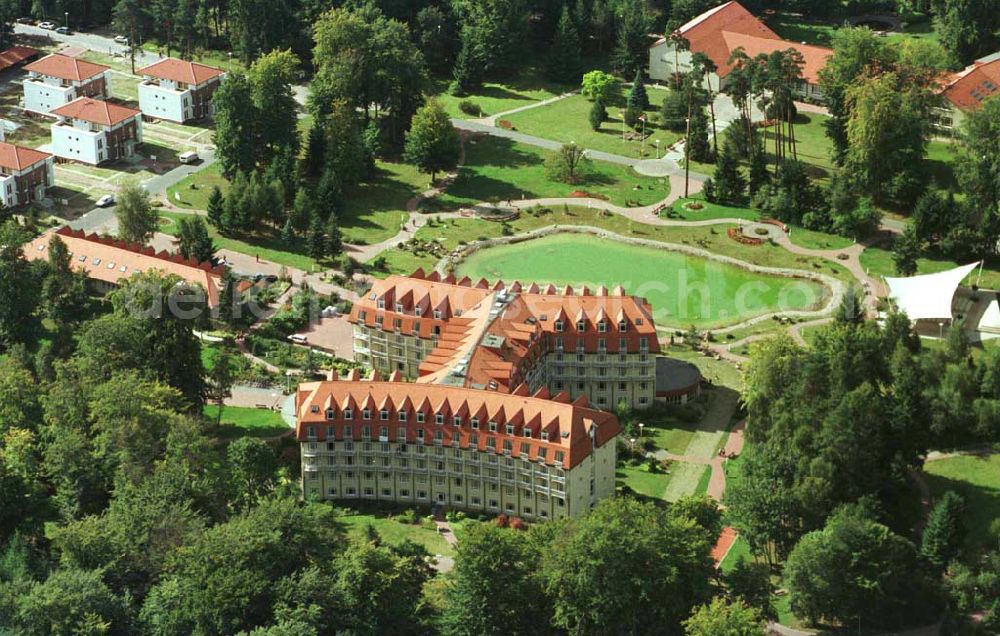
<point>491,120</point>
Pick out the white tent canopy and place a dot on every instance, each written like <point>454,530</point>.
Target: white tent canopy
<point>928,296</point>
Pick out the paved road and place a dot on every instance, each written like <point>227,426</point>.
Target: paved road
<point>99,42</point>
<point>103,219</point>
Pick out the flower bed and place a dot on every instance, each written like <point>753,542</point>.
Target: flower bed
<point>737,235</point>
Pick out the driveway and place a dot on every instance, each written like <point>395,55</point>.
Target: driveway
<point>98,42</point>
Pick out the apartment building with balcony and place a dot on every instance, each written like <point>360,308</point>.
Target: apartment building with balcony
<point>178,90</point>
<point>533,455</point>
<point>56,80</point>
<point>25,174</point>
<point>596,343</point>
<point>94,132</point>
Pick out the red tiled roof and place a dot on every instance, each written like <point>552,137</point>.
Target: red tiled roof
<point>65,67</point>
<point>15,55</point>
<point>815,57</point>
<point>111,260</point>
<point>719,31</point>
<point>18,157</point>
<point>181,71</point>
<point>567,425</point>
<point>969,87</point>
<point>96,111</point>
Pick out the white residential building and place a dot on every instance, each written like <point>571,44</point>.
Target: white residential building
<point>178,90</point>
<point>93,131</point>
<point>56,80</point>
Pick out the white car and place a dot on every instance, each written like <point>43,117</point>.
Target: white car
<point>121,39</point>
<point>105,201</point>
<point>297,339</point>
<point>47,25</point>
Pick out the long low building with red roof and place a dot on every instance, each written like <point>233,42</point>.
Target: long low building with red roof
<point>526,454</point>
<point>720,31</point>
<point>25,174</point>
<point>178,90</point>
<point>108,261</point>
<point>94,131</point>
<point>598,343</point>
<point>56,80</point>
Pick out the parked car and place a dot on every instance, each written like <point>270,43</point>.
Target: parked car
<point>106,200</point>
<point>188,157</point>
<point>48,26</point>
<point>25,21</point>
<point>121,39</point>
<point>63,30</point>
<point>297,339</point>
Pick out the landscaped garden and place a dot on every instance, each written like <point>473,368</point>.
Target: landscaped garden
<point>878,262</point>
<point>566,120</point>
<point>682,289</point>
<point>497,169</point>
<point>396,529</point>
<point>238,421</point>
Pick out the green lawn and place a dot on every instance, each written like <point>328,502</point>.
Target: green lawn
<point>496,97</point>
<point>567,120</point>
<point>739,549</point>
<point>814,240</point>
<point>375,211</point>
<point>878,261</point>
<point>238,421</point>
<point>799,29</point>
<point>394,532</point>
<point>812,146</point>
<point>497,169</point>
<point>448,234</point>
<point>268,245</point>
<point>643,482</point>
<point>682,289</point>
<point>977,479</point>
<point>195,189</point>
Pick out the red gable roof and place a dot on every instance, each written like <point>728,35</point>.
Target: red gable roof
<point>969,87</point>
<point>15,55</point>
<point>96,111</point>
<point>181,71</point>
<point>719,31</point>
<point>18,157</point>
<point>65,67</point>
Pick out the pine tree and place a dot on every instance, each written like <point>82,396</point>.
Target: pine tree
<point>699,149</point>
<point>637,97</point>
<point>333,237</point>
<point>905,251</point>
<point>598,114</point>
<point>944,531</point>
<point>227,298</point>
<point>288,232</point>
<point>315,151</point>
<point>759,176</point>
<point>674,110</point>
<point>302,210</point>
<point>564,63</point>
<point>317,240</point>
<point>216,207</point>
<point>728,180</point>
<point>329,192</point>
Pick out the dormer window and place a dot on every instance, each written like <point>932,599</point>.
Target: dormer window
<point>348,414</point>
<point>402,416</point>
<point>581,325</point>
<point>383,414</point>
<point>381,303</point>
<point>399,308</point>
<point>457,420</point>
<point>545,436</point>
<point>330,414</point>
<point>559,326</point>
<point>366,414</point>
<point>420,417</point>
<point>493,427</point>
<point>475,423</point>
<point>526,432</point>
<point>510,429</point>
<point>437,314</point>
<point>622,325</point>
<point>602,327</point>
<point>439,418</point>
<point>418,311</point>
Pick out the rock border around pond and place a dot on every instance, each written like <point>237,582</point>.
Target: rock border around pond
<point>836,288</point>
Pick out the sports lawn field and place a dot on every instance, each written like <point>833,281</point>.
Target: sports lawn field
<point>682,289</point>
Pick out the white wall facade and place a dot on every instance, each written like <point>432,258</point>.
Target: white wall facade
<point>41,95</point>
<point>78,143</point>
<point>164,102</point>
<point>8,189</point>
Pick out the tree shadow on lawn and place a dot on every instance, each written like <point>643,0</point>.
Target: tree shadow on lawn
<point>498,151</point>
<point>382,194</point>
<point>982,504</point>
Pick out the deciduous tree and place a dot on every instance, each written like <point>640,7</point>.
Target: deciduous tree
<point>432,144</point>
<point>137,219</point>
